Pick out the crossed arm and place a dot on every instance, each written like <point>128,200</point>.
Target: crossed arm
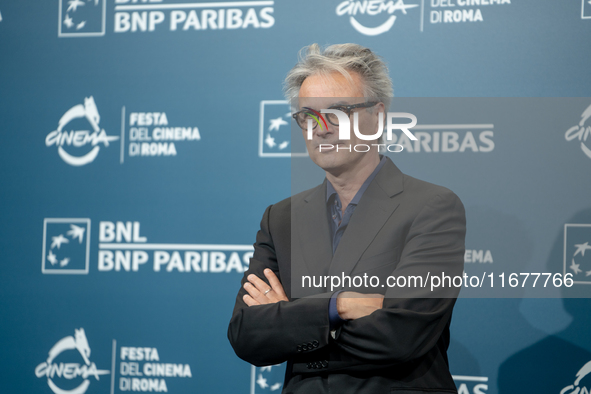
<point>268,328</point>
<point>350,305</point>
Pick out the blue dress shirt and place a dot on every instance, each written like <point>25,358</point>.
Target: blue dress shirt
<point>338,224</point>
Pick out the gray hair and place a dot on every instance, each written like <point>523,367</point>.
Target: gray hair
<point>342,58</point>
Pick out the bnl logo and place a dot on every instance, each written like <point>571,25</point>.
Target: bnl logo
<point>82,18</point>
<point>267,379</point>
<point>586,9</point>
<point>577,252</point>
<point>66,246</point>
<point>276,136</point>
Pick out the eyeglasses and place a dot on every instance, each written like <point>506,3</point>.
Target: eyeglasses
<point>302,117</point>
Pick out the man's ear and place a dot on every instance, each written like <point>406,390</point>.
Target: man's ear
<point>379,110</point>
<point>380,107</point>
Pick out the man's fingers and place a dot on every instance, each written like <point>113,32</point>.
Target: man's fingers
<point>275,284</point>
<point>248,300</point>
<point>260,285</point>
<point>255,293</point>
<point>264,293</point>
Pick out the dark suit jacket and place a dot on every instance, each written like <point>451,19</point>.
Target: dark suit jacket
<point>401,226</point>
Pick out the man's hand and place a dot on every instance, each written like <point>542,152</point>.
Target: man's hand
<point>352,305</point>
<point>259,293</point>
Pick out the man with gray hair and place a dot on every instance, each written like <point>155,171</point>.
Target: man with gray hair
<point>366,220</point>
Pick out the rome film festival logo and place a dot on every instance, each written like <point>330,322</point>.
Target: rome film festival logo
<point>70,371</point>
<point>581,131</point>
<point>576,387</point>
<point>372,8</point>
<point>81,115</point>
<point>313,118</point>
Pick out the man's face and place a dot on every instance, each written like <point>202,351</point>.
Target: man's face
<point>322,92</point>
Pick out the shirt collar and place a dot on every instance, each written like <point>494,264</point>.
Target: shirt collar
<point>330,190</point>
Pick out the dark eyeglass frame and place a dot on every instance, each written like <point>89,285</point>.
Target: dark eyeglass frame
<point>348,109</point>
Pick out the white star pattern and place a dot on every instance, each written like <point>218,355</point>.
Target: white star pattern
<point>581,248</point>
<point>270,141</point>
<point>74,4</point>
<point>76,232</point>
<point>68,21</point>
<point>575,267</point>
<point>276,123</point>
<point>580,265</point>
<point>58,241</point>
<point>262,382</point>
<point>66,243</point>
<point>51,258</point>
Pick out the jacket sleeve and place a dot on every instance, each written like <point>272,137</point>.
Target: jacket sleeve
<point>412,318</point>
<point>270,334</point>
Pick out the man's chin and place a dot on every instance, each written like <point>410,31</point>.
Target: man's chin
<point>329,160</point>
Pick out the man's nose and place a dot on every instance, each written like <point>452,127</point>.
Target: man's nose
<point>326,130</point>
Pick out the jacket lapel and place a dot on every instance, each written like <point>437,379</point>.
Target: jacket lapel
<point>376,206</point>
<point>310,229</point>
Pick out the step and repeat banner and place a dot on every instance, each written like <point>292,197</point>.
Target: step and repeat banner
<point>142,141</point>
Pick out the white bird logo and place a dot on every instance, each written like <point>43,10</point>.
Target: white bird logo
<point>581,248</point>
<point>58,241</point>
<point>277,123</point>
<point>262,382</point>
<point>52,258</point>
<point>74,4</point>
<point>76,232</point>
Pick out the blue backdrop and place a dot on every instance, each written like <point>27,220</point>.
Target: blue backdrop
<point>136,164</point>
